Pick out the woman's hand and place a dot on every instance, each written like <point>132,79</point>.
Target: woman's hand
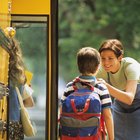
<point>100,80</point>
<point>27,96</point>
<point>29,102</point>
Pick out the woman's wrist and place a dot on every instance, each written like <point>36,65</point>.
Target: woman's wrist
<point>100,80</point>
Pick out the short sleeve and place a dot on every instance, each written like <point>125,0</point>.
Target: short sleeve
<point>104,96</point>
<point>132,71</point>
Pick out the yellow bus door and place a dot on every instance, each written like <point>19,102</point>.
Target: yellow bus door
<point>42,14</point>
<point>4,63</point>
<point>19,13</point>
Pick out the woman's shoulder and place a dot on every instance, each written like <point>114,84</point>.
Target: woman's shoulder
<point>131,67</point>
<point>129,60</point>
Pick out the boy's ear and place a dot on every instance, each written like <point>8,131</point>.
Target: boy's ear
<point>97,69</point>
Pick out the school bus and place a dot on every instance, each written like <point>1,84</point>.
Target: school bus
<point>19,14</point>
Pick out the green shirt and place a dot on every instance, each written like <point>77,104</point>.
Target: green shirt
<point>129,70</point>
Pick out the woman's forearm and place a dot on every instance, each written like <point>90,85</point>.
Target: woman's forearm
<point>122,96</point>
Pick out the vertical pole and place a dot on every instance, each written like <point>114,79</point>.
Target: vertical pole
<point>5,19</point>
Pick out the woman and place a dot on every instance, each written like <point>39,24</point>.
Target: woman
<point>121,76</point>
<point>17,78</point>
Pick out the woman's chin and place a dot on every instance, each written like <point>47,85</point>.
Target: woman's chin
<point>107,70</point>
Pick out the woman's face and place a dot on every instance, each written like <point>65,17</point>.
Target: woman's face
<point>109,61</point>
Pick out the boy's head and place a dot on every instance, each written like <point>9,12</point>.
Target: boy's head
<point>88,60</point>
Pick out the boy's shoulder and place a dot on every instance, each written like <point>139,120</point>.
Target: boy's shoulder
<point>69,84</point>
<point>101,86</point>
<point>69,89</point>
<point>92,82</point>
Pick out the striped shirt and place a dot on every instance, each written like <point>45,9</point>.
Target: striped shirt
<point>99,88</point>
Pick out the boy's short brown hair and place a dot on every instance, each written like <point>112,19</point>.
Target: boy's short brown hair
<point>88,60</point>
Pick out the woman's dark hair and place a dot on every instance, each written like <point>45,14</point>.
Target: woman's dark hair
<point>113,45</point>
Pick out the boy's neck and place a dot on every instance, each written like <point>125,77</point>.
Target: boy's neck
<point>88,74</point>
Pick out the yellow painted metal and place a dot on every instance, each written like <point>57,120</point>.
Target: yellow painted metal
<point>5,18</point>
<point>29,7</point>
<point>5,13</point>
<point>3,116</point>
<point>36,7</point>
<point>4,61</point>
<point>50,82</point>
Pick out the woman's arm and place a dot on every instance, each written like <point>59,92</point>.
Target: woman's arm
<point>27,96</point>
<point>29,102</point>
<point>126,96</point>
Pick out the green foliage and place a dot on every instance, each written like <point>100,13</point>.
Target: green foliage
<point>33,46</point>
<point>133,52</point>
<point>88,23</point>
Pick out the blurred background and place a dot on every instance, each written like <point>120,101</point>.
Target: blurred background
<point>32,38</point>
<point>80,23</point>
<point>89,22</point>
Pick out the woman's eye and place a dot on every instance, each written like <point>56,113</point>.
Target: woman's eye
<point>110,58</point>
<point>107,59</point>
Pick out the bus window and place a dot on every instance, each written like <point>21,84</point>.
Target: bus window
<point>32,33</point>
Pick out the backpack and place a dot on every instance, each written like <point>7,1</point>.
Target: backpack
<point>81,113</point>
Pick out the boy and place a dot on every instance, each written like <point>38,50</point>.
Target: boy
<point>88,61</point>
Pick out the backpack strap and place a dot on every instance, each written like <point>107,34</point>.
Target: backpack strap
<point>102,131</point>
<point>77,84</point>
<point>84,109</point>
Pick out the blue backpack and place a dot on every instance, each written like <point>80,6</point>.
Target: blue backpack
<point>81,113</point>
